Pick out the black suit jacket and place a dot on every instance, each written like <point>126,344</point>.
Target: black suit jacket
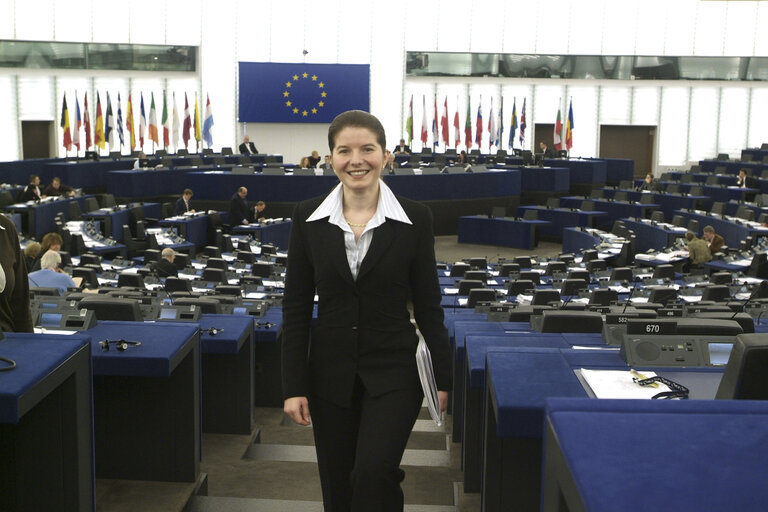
<point>363,326</point>
<point>549,153</point>
<point>181,207</point>
<point>244,149</point>
<point>238,210</point>
<point>165,268</point>
<point>401,149</point>
<point>29,193</point>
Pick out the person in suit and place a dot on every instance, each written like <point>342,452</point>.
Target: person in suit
<point>741,181</point>
<point>15,315</point>
<point>164,267</point>
<point>184,203</point>
<point>366,253</point>
<point>314,159</point>
<point>402,148</point>
<point>56,188</point>
<point>714,240</point>
<point>247,147</point>
<point>239,212</point>
<point>648,184</point>
<point>258,211</point>
<point>547,152</point>
<point>32,191</point>
<point>326,165</point>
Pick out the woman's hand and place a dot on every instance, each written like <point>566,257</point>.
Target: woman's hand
<point>297,408</point>
<point>442,396</point>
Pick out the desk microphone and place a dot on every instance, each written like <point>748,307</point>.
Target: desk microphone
<point>763,285</point>
<point>631,291</point>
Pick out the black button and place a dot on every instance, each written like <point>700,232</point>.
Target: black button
<point>354,327</point>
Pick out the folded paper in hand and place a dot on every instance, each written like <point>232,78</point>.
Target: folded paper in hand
<point>428,384</point>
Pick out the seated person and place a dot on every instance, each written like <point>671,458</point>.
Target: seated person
<point>164,267</point>
<point>142,162</point>
<point>50,275</point>
<point>258,211</point>
<point>32,191</point>
<point>648,183</point>
<point>304,162</point>
<point>31,252</point>
<point>547,152</point>
<point>56,188</point>
<point>326,165</point>
<point>51,241</point>
<point>741,181</point>
<point>714,240</point>
<point>391,164</point>
<point>239,212</point>
<point>184,204</point>
<point>402,148</point>
<point>247,147</point>
<point>314,159</point>
<point>698,252</point>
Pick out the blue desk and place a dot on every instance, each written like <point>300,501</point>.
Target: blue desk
<point>267,378</point>
<point>40,218</point>
<point>618,169</point>
<point>148,183</point>
<point>84,173</point>
<point>46,422</point>
<point>613,209</point>
<point>584,174</point>
<point>518,382</point>
<point>194,229</point>
<point>732,233</point>
<point>275,233</point>
<point>15,218</point>
<point>649,236</point>
<point>667,202</point>
<point>227,376</point>
<point>545,179</point>
<point>560,218</point>
<point>596,461</point>
<point>575,240</point>
<point>114,218</point>
<point>507,232</point>
<point>148,399</point>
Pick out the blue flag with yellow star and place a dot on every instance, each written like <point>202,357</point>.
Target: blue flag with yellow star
<point>301,93</point>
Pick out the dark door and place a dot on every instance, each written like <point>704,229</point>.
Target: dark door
<point>634,142</point>
<point>545,133</point>
<point>37,137</point>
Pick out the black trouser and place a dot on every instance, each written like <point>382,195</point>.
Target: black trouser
<point>359,448</point>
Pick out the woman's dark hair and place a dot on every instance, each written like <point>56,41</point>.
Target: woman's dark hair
<point>50,239</point>
<point>357,119</point>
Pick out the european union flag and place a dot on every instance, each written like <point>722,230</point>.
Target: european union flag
<point>301,93</point>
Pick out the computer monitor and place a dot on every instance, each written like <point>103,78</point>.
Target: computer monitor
<point>144,163</point>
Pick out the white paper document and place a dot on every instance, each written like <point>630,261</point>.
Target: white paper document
<point>427,378</point>
<point>619,384</point>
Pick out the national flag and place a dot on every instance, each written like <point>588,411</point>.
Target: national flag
<point>491,127</point>
<point>558,143</point>
<point>468,127</point>
<point>479,124</point>
<point>457,133</point>
<point>569,127</point>
<point>208,122</point>
<point>276,92</point>
<point>435,135</point>
<point>98,135</point>
<point>129,121</point>
<point>166,121</point>
<point>109,124</point>
<point>175,130</point>
<point>65,124</point>
<point>87,123</point>
<point>444,122</point>
<point>120,131</point>
<point>153,121</point>
<point>513,124</point>
<point>409,122</point>
<point>423,120</point>
<point>185,135</point>
<point>500,131</point>
<point>198,131</point>
<point>522,124</point>
<point>78,124</point>
<point>142,122</point>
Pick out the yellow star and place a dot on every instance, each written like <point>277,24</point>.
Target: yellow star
<point>304,113</point>
<point>314,78</point>
<point>295,77</point>
<point>304,75</point>
<point>288,103</point>
<point>288,84</point>
<point>295,111</point>
<point>314,111</point>
<point>286,94</point>
<point>323,94</point>
<point>321,85</point>
<point>320,103</point>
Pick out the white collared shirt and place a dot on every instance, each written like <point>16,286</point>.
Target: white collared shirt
<point>388,207</point>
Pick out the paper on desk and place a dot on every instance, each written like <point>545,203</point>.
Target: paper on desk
<point>619,384</point>
<point>42,330</point>
<point>427,378</point>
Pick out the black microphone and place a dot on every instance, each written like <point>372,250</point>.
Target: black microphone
<point>631,291</point>
<point>763,285</point>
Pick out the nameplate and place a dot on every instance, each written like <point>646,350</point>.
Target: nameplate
<point>652,327</point>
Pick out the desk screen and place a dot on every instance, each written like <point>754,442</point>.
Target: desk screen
<point>50,319</point>
<point>719,353</point>
<point>167,314</point>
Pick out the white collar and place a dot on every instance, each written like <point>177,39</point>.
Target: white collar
<point>388,207</point>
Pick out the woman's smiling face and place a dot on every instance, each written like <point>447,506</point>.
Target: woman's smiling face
<point>358,158</point>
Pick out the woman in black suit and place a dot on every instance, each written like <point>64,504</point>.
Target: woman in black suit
<point>366,253</point>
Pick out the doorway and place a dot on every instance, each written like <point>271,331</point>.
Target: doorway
<point>37,139</point>
<point>633,142</point>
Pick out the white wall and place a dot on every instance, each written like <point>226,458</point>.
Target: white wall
<point>364,31</point>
